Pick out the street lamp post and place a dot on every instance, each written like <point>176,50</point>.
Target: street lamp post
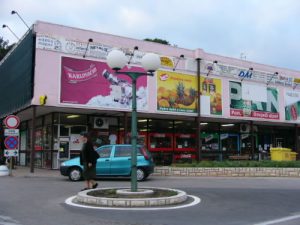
<point>116,60</point>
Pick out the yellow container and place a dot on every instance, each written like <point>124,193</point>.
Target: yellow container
<point>282,154</point>
<point>293,156</point>
<point>277,155</point>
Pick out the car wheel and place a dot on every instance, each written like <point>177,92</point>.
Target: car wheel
<point>75,174</point>
<point>140,174</point>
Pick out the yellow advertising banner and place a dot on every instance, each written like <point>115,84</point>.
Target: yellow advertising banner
<point>211,96</point>
<point>176,92</point>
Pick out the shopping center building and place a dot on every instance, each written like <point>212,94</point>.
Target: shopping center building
<point>197,105</point>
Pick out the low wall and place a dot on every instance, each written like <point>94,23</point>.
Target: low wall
<point>227,172</point>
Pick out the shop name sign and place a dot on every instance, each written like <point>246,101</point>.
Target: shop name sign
<point>245,74</point>
<point>239,73</point>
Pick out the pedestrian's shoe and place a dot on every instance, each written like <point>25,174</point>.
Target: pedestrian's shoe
<point>95,185</point>
<point>84,189</point>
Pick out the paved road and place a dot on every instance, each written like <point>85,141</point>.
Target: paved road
<point>38,199</point>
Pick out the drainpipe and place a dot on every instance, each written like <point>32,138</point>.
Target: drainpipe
<point>198,118</point>
<point>32,153</point>
<point>296,138</point>
<point>252,139</point>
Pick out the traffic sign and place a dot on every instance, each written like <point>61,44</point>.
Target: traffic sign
<point>11,142</point>
<point>11,132</point>
<point>12,121</point>
<point>9,152</point>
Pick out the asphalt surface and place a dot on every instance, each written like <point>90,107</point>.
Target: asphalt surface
<point>38,199</point>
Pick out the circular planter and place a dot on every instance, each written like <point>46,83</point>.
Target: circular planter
<point>83,197</point>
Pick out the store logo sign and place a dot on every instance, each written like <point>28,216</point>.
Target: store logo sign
<point>245,74</point>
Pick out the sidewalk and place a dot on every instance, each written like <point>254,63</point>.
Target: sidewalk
<point>22,171</point>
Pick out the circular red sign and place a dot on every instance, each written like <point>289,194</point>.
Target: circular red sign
<point>11,142</point>
<point>12,122</point>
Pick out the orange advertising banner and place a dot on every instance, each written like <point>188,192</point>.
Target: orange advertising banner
<point>211,96</point>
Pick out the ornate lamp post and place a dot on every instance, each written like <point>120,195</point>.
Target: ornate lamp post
<point>116,60</point>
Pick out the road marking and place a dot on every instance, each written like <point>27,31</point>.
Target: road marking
<point>195,201</point>
<point>283,219</point>
<point>6,220</point>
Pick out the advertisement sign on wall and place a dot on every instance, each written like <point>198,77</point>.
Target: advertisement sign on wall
<point>211,96</point>
<point>292,105</point>
<point>176,92</point>
<point>92,83</point>
<point>265,108</point>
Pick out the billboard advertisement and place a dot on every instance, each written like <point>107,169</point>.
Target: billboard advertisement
<point>245,103</point>
<point>176,92</point>
<point>292,105</point>
<point>93,83</point>
<point>211,96</point>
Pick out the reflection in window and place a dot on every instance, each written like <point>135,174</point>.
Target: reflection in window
<point>104,152</point>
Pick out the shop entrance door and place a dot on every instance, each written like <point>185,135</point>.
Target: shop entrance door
<point>64,150</point>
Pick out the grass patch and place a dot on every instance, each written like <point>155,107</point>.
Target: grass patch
<point>243,163</point>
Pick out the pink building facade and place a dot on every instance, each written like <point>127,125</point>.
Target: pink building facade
<point>197,106</point>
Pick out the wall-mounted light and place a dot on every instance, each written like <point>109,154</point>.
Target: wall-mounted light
<point>15,12</point>
<point>141,121</point>
<point>275,74</point>
<point>180,57</point>
<point>73,116</point>
<point>210,68</point>
<point>6,26</point>
<point>228,125</point>
<point>249,71</point>
<point>203,124</point>
<point>87,46</point>
<point>132,54</point>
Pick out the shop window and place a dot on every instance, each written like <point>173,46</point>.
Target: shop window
<point>48,119</point>
<point>185,142</point>
<point>230,142</point>
<point>63,130</point>
<point>160,141</point>
<point>210,141</point>
<point>163,126</point>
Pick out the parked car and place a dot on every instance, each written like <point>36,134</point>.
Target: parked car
<point>115,160</point>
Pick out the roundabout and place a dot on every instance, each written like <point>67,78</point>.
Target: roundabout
<point>147,198</point>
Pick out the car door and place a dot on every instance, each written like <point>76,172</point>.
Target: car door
<point>121,161</point>
<point>103,163</point>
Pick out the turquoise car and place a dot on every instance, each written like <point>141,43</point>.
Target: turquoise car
<point>115,160</point>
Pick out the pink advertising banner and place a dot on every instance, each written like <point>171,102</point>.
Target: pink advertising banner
<point>93,83</point>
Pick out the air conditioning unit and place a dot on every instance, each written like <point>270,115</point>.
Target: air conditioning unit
<point>101,122</point>
<point>245,128</point>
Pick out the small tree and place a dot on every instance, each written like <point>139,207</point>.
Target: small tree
<point>157,40</point>
<point>4,48</point>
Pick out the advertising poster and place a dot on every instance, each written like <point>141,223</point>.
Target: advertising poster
<point>92,83</point>
<point>245,103</point>
<point>211,96</point>
<point>176,92</point>
<point>292,105</point>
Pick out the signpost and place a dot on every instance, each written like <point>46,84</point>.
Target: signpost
<point>11,140</point>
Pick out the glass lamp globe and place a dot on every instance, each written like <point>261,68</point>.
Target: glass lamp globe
<point>151,62</point>
<point>116,59</point>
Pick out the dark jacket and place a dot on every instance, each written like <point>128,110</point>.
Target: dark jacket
<point>88,154</point>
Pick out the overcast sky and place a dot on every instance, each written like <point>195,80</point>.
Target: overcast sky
<point>264,31</point>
